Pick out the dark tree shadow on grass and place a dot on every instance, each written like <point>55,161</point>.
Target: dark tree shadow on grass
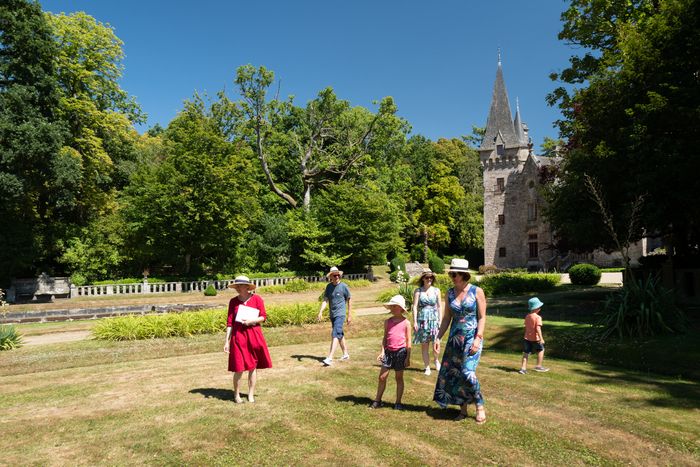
<point>387,404</point>
<point>507,369</point>
<point>308,357</point>
<point>216,393</point>
<point>681,394</point>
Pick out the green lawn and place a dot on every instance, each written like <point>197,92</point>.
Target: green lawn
<point>168,401</point>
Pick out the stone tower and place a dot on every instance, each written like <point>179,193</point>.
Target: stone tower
<point>513,230</point>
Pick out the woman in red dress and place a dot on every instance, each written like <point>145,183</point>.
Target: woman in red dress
<point>245,344</point>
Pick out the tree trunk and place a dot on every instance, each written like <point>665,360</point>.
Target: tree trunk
<point>307,197</point>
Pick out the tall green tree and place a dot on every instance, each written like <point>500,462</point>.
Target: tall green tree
<point>191,211</point>
<point>630,120</point>
<point>99,114</point>
<point>31,135</point>
<point>317,145</point>
<point>359,224</point>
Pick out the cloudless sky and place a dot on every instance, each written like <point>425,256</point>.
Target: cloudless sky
<point>437,59</point>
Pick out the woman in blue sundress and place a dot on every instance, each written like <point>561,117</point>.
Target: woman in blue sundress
<point>426,317</point>
<point>465,307</point>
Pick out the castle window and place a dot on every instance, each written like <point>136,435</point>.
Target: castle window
<point>501,185</point>
<point>531,212</point>
<point>501,219</point>
<point>500,150</point>
<point>502,252</point>
<point>532,237</point>
<point>534,253</point>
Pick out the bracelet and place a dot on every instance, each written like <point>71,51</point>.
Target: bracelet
<point>480,336</point>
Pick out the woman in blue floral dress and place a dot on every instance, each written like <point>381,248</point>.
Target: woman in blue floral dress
<point>426,317</point>
<point>465,307</point>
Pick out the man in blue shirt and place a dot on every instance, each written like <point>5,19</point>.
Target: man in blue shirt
<point>337,295</point>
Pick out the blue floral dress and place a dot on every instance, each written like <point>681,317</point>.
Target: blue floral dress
<point>457,383</point>
<point>428,325</point>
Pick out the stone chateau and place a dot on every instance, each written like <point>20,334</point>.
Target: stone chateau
<point>515,233</point>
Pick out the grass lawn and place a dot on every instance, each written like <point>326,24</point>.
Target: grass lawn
<point>169,401</point>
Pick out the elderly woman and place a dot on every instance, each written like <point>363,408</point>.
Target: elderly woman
<point>426,317</point>
<point>245,344</point>
<point>465,307</point>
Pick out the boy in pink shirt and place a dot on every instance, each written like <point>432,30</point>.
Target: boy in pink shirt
<point>533,336</point>
<point>396,350</point>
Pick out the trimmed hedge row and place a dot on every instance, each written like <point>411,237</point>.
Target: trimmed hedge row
<point>300,285</point>
<point>505,283</point>
<point>136,327</point>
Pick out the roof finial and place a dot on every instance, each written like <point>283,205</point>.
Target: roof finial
<point>499,56</point>
<point>517,103</point>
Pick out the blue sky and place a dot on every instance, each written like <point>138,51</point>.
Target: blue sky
<point>437,59</point>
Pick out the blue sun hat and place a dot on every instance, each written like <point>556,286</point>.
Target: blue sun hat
<point>534,303</point>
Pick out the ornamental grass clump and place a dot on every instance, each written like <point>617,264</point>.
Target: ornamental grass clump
<point>187,324</point>
<point>9,338</point>
<point>584,274</point>
<point>640,309</point>
<point>294,315</point>
<point>135,327</point>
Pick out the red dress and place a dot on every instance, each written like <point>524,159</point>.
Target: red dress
<point>248,349</point>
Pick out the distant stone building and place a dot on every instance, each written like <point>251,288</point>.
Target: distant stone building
<point>515,233</point>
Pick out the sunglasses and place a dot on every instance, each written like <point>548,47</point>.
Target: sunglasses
<point>452,274</point>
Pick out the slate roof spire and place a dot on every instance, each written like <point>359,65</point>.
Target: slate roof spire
<point>500,119</point>
<point>519,130</point>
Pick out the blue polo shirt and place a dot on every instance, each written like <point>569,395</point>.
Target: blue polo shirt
<point>337,295</point>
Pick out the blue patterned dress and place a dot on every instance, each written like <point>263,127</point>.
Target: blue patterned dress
<point>428,325</point>
<point>457,383</point>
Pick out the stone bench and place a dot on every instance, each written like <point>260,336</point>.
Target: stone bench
<point>43,288</point>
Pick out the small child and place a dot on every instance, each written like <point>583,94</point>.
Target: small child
<point>533,336</point>
<point>396,350</point>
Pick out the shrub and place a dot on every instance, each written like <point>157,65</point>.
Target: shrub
<point>210,291</point>
<point>9,338</point>
<point>78,279</point>
<point>584,274</point>
<point>485,269</point>
<point>417,253</point>
<point>398,262</point>
<point>517,283</point>
<point>393,277</point>
<point>641,309</point>
<point>436,264</point>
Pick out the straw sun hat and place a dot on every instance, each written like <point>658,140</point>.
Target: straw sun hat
<point>334,270</point>
<point>242,280</point>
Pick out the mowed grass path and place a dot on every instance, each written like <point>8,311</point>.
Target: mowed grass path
<point>169,402</point>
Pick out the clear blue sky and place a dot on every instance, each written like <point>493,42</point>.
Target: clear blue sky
<point>437,59</point>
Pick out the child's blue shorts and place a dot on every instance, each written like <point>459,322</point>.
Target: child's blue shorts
<point>529,346</point>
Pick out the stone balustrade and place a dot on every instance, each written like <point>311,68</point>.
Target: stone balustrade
<point>188,286</point>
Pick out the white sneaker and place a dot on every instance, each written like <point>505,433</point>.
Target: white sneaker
<point>327,361</point>
<point>345,357</point>
<point>437,365</point>
<point>427,371</point>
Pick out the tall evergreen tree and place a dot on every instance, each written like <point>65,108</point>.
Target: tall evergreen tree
<point>30,136</point>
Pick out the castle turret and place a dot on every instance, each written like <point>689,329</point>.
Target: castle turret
<point>508,201</point>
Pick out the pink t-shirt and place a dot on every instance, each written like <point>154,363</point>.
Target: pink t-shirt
<point>396,334</point>
<point>532,320</point>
